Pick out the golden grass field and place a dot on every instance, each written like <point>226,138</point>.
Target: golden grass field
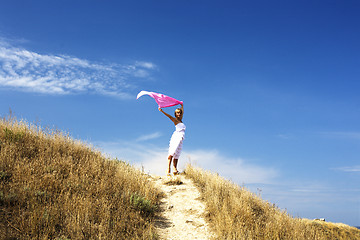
<point>236,213</point>
<point>54,187</point>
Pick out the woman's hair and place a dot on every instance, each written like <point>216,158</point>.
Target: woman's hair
<point>178,110</point>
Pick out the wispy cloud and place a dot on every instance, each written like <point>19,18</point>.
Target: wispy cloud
<point>284,136</point>
<point>25,70</point>
<point>149,137</point>
<point>307,194</point>
<point>349,169</point>
<point>154,160</point>
<point>143,155</point>
<point>239,170</point>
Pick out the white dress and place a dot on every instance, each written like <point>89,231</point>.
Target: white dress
<point>176,140</point>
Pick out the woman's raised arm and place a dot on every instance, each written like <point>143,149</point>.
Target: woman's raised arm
<point>174,120</point>
<point>182,108</point>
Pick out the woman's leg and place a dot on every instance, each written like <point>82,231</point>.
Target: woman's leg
<point>169,168</point>
<point>175,166</point>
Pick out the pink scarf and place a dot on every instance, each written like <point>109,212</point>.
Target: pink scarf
<point>161,99</point>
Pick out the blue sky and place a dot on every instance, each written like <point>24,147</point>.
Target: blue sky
<point>270,88</point>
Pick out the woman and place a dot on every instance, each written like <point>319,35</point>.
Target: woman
<point>177,137</point>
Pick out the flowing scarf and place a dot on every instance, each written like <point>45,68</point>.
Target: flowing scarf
<point>161,99</point>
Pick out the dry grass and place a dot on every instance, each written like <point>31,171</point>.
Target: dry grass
<point>173,181</point>
<point>53,187</point>
<point>236,213</point>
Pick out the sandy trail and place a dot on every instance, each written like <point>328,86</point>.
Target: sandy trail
<point>182,213</point>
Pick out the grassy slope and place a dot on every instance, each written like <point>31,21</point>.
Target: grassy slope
<point>236,213</point>
<point>52,187</point>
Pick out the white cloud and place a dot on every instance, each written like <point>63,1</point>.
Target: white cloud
<point>237,169</point>
<point>284,136</point>
<point>147,65</point>
<point>25,70</point>
<point>153,160</point>
<point>349,169</point>
<point>149,137</point>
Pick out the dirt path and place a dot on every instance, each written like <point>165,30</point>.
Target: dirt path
<point>182,212</point>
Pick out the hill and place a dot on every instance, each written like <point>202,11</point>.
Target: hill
<point>54,187</point>
<point>236,213</point>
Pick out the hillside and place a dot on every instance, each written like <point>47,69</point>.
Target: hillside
<point>54,187</point>
<point>236,213</point>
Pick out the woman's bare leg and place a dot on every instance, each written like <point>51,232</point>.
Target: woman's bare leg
<point>175,166</point>
<point>169,168</point>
